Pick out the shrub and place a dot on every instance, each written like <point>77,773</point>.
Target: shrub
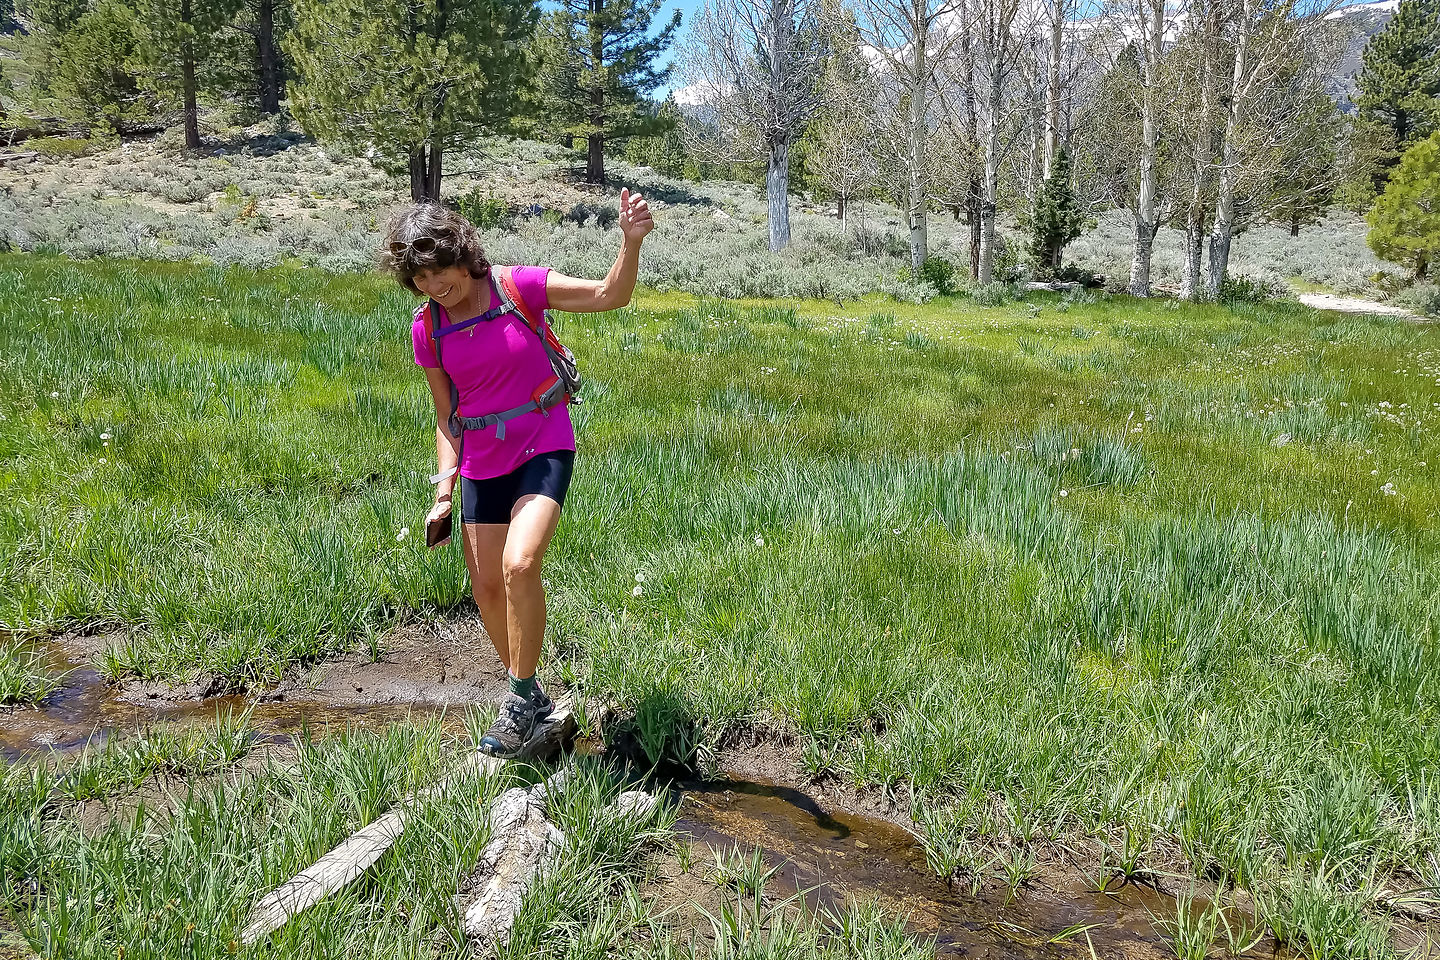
<point>236,204</point>
<point>59,146</point>
<point>1239,288</point>
<point>487,212</point>
<point>939,273</point>
<point>1073,274</point>
<point>1422,298</point>
<point>600,214</point>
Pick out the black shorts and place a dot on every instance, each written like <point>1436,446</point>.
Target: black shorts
<point>492,500</point>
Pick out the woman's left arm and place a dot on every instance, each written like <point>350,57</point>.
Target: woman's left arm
<point>577,295</point>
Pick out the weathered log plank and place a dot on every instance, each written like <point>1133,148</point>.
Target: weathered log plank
<point>360,851</point>
<point>523,842</point>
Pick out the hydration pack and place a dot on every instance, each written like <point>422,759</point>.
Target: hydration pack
<point>562,386</point>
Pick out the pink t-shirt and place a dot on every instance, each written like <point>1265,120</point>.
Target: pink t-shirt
<point>496,365</point>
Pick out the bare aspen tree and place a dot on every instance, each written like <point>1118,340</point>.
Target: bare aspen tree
<point>1198,102</point>
<point>1057,14</point>
<point>841,155</point>
<point>997,51</point>
<point>1150,16</point>
<point>1278,59</point>
<point>755,65</point>
<point>910,38</point>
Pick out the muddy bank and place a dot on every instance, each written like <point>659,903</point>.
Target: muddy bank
<point>830,858</point>
<point>425,672</point>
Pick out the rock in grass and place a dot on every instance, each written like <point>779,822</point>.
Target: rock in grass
<point>637,803</point>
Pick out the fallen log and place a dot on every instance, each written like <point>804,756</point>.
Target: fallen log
<point>360,851</point>
<point>522,843</point>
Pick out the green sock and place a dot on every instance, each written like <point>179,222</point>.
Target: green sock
<point>522,688</point>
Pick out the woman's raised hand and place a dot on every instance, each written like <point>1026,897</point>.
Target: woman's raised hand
<point>635,219</point>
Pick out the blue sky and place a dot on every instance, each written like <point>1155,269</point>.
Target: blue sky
<point>687,9</point>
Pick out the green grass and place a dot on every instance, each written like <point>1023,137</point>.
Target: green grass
<point>1095,563</point>
<point>24,676</point>
<point>176,874</point>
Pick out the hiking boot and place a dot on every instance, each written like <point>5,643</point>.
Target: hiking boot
<point>517,724</point>
<point>543,704</point>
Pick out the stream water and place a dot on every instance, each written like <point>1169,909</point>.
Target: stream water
<point>834,857</point>
<point>87,710</point>
<point>828,858</point>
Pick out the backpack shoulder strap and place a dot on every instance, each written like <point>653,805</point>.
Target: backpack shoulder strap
<point>509,292</point>
<point>427,313</point>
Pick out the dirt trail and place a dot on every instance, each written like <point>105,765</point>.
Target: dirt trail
<point>1329,301</point>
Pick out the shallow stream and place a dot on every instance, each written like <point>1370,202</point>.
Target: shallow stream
<point>827,857</point>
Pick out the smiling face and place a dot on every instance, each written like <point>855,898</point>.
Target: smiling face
<point>451,286</point>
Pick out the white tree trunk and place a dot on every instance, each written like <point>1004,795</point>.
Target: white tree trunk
<point>1224,228</point>
<point>919,192</point>
<point>1145,224</point>
<point>1052,86</point>
<point>990,183</point>
<point>777,192</point>
<point>1200,171</point>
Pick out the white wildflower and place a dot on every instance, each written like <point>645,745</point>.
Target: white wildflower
<point>104,436</point>
<point>759,541</point>
<point>1389,490</point>
<point>1374,473</point>
<point>640,577</point>
<point>54,394</point>
<point>1064,493</point>
<point>639,591</point>
<point>102,459</point>
<point>404,532</point>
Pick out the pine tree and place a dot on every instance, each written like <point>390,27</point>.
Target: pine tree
<point>84,69</point>
<point>606,71</point>
<point>1400,75</point>
<point>409,79</point>
<point>839,144</point>
<point>176,36</point>
<point>1405,221</point>
<point>248,68</point>
<point>1056,218</point>
<point>664,152</point>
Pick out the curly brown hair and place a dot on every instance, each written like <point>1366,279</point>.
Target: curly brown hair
<point>427,236</point>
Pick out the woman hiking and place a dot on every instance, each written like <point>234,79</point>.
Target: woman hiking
<point>512,474</point>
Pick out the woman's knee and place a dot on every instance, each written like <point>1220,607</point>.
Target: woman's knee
<point>520,565</point>
<point>488,588</point>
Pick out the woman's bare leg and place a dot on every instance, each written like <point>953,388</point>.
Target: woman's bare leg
<point>532,524</point>
<point>484,553</point>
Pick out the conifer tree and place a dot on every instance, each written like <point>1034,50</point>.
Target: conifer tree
<point>840,158</point>
<point>605,72</point>
<point>1400,75</point>
<point>82,65</point>
<point>1056,218</point>
<point>1405,221</point>
<point>175,38</point>
<point>408,80</point>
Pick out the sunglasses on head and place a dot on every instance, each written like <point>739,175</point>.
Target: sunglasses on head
<point>424,244</point>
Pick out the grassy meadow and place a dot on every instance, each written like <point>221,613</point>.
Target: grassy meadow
<point>1162,573</point>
